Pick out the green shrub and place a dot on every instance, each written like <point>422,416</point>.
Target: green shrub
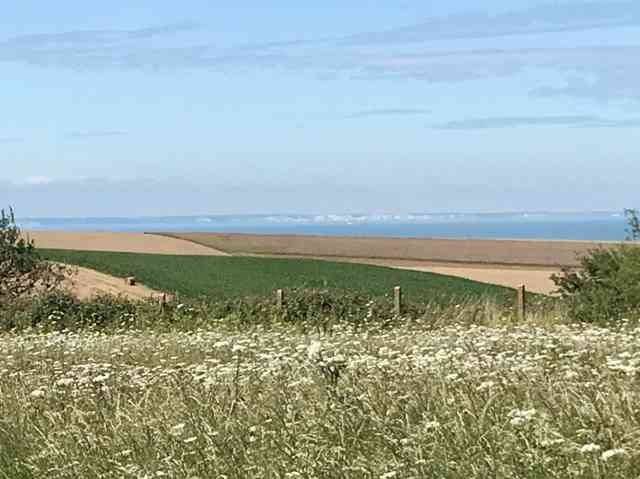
<point>308,309</point>
<point>606,286</point>
<point>22,270</point>
<point>59,309</point>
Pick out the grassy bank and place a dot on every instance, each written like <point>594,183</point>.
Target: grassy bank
<point>234,277</point>
<point>523,401</point>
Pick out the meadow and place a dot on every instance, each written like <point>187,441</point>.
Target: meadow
<point>218,277</point>
<point>463,389</point>
<point>553,401</point>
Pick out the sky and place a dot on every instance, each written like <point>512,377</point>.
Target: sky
<point>141,108</point>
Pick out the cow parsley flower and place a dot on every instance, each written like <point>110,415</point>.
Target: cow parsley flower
<point>178,429</point>
<point>101,378</point>
<point>314,351</point>
<point>64,382</point>
<point>520,417</point>
<point>37,393</point>
<point>589,448</point>
<point>606,455</point>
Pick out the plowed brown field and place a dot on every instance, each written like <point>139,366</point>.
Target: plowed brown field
<point>465,251</point>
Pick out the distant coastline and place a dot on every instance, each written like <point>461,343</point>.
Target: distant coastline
<point>595,226</point>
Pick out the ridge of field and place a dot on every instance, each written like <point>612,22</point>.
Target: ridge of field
<point>219,277</point>
<point>118,242</point>
<point>468,251</point>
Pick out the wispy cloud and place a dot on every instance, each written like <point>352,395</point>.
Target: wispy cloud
<point>98,49</point>
<point>11,139</point>
<point>93,37</point>
<point>37,181</point>
<point>388,112</point>
<point>533,121</point>
<point>546,18</point>
<point>600,72</point>
<point>603,72</point>
<point>96,134</point>
<point>634,123</point>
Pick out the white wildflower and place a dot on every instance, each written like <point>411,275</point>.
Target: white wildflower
<point>485,385</point>
<point>606,455</point>
<point>314,351</point>
<point>551,442</point>
<point>589,448</point>
<point>338,359</point>
<point>430,425</point>
<point>178,429</point>
<point>37,393</point>
<point>101,378</point>
<point>520,417</point>
<point>571,375</point>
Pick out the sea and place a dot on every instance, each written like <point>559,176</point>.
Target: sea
<point>597,226</point>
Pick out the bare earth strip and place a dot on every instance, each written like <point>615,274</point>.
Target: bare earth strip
<point>535,280</point>
<point>86,283</point>
<point>119,242</point>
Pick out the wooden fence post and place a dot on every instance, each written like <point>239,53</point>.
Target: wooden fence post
<point>522,302</point>
<point>397,300</point>
<point>280,299</point>
<point>163,302</point>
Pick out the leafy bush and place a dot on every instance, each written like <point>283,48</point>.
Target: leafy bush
<point>59,309</point>
<point>606,286</point>
<point>22,270</point>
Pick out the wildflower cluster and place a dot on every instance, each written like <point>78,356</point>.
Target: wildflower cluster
<point>276,402</point>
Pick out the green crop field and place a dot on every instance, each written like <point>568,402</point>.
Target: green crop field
<point>230,277</point>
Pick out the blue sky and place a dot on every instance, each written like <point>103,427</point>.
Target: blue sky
<point>161,108</point>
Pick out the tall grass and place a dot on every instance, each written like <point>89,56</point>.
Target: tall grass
<point>275,402</point>
<point>307,309</point>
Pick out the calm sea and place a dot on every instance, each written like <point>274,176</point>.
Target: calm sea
<point>568,226</point>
